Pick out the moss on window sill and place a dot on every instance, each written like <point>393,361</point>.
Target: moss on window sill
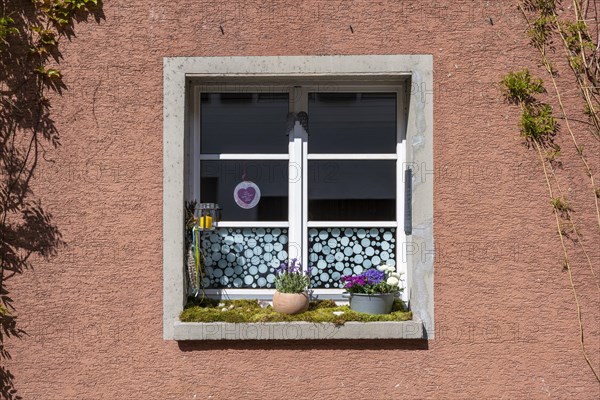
<point>250,311</point>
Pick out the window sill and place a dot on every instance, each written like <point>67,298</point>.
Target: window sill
<point>412,329</point>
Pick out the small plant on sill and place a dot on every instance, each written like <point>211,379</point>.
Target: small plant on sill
<point>384,279</point>
<point>290,295</point>
<point>373,291</point>
<point>291,279</point>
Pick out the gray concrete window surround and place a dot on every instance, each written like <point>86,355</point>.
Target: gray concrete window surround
<point>419,251</point>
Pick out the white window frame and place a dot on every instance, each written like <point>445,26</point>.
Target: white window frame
<point>298,223</point>
<point>179,73</point>
<point>400,90</point>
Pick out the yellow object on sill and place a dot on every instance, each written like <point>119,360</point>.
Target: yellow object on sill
<point>205,222</point>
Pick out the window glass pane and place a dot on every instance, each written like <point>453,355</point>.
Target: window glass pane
<point>352,122</point>
<point>220,178</point>
<point>243,257</point>
<point>335,252</point>
<point>352,190</point>
<point>244,123</point>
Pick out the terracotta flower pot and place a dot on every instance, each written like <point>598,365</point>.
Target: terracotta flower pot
<point>290,303</point>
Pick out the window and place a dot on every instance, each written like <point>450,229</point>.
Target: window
<point>329,190</point>
<point>326,142</point>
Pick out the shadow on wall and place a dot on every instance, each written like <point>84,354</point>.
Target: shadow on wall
<point>352,344</point>
<point>29,34</point>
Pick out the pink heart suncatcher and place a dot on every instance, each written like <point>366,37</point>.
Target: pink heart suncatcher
<point>246,194</point>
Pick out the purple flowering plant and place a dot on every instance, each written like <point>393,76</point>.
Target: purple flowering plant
<point>291,278</point>
<point>384,279</point>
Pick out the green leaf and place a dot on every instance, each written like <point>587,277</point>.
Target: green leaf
<point>520,86</point>
<point>52,73</point>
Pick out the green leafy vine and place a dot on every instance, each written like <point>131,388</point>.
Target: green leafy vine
<point>539,126</point>
<point>30,36</point>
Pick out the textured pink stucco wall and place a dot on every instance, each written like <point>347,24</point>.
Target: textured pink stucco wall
<point>505,315</point>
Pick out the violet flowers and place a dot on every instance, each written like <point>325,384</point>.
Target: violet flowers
<point>291,278</point>
<point>384,279</point>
